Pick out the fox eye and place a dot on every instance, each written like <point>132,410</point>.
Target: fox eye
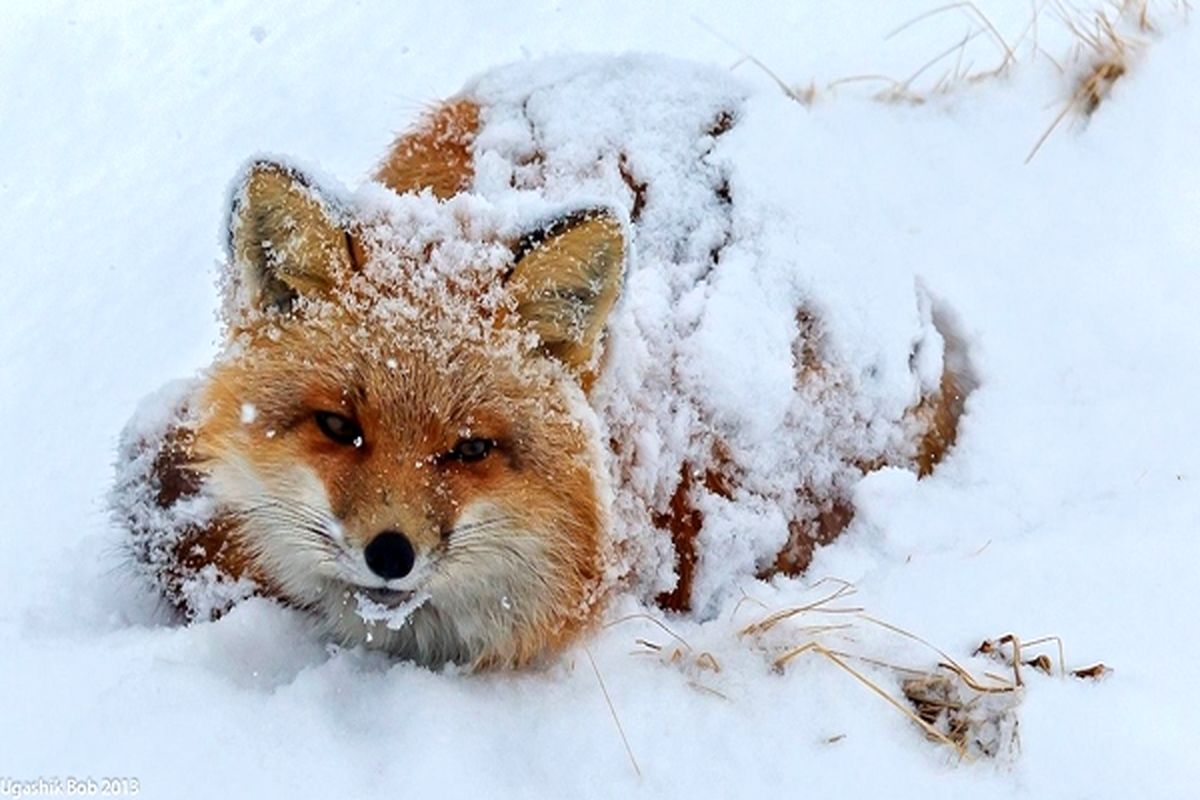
<point>472,449</point>
<point>339,428</point>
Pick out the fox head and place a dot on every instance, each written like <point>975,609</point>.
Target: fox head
<point>398,427</point>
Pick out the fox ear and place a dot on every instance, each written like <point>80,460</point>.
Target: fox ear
<point>566,280</point>
<point>284,237</point>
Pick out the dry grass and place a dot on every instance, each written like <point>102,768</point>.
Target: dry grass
<point>960,72</point>
<point>956,70</point>
<point>1106,41</point>
<point>1010,650</point>
<point>681,655</point>
<point>612,709</point>
<point>972,715</point>
<point>972,712</point>
<point>1104,46</point>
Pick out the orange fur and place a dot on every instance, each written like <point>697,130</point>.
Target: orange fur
<point>436,155</point>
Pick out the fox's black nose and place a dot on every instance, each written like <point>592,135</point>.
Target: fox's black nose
<point>390,555</point>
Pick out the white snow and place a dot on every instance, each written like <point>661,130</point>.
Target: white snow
<point>1069,507</point>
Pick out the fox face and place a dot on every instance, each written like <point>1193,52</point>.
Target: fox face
<point>397,432</point>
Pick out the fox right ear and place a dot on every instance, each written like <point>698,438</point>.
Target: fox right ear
<point>565,281</point>
<point>285,239</point>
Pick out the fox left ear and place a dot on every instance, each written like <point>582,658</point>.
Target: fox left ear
<point>565,282</point>
<point>284,236</point>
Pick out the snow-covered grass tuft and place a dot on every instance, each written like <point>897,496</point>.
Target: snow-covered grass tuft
<point>1092,48</point>
<point>974,715</point>
<point>1105,44</point>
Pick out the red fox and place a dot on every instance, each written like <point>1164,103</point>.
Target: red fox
<point>547,354</point>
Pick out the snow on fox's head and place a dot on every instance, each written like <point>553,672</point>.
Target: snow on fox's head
<point>397,425</point>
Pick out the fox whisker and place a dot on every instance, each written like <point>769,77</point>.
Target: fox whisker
<point>477,527</point>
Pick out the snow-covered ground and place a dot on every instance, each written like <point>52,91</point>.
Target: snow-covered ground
<point>1069,507</point>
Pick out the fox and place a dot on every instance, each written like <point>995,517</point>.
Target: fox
<point>452,416</point>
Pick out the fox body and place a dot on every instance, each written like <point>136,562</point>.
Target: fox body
<point>442,423</point>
